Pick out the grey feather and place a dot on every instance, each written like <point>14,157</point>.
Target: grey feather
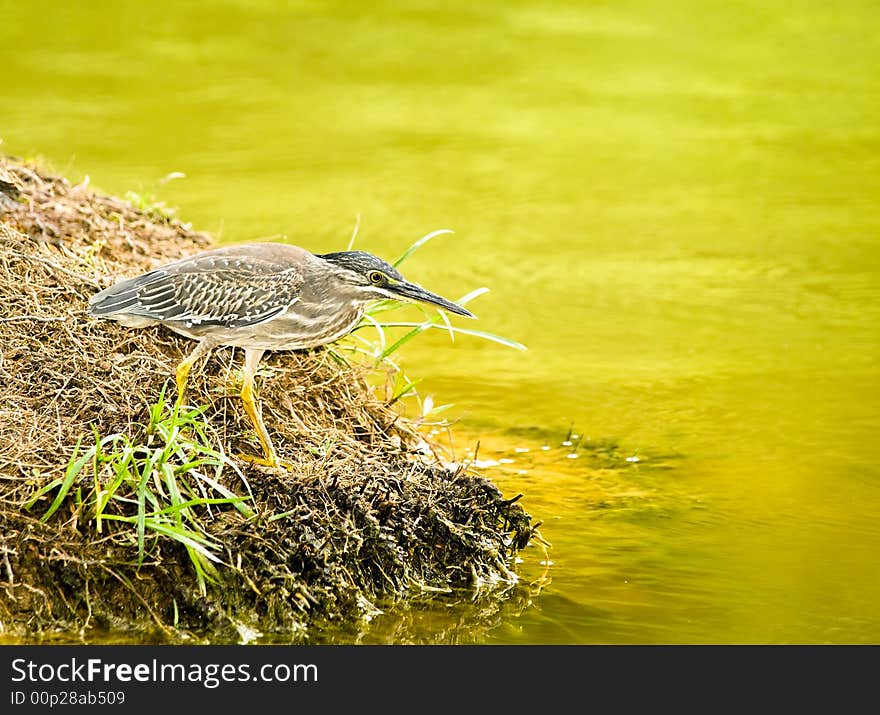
<point>213,289</point>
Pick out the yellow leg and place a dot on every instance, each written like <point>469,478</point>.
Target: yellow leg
<point>251,360</point>
<point>185,366</point>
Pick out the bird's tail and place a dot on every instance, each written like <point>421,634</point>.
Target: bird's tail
<point>120,297</point>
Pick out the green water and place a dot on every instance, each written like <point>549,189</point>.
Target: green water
<point>674,204</point>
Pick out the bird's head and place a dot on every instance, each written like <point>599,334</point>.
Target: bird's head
<point>374,279</point>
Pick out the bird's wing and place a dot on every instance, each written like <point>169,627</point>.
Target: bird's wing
<point>208,290</point>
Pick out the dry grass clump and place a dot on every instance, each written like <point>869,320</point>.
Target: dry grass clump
<point>362,513</point>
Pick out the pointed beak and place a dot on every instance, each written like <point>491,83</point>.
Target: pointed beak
<point>410,291</point>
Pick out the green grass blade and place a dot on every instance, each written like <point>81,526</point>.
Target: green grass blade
<point>186,537</point>
<point>182,535</point>
<point>121,474</point>
<point>464,331</point>
<point>174,493</point>
<point>421,242</point>
<point>445,319</point>
<point>432,322</point>
<point>394,347</point>
<point>28,505</point>
<point>228,494</point>
<point>73,469</point>
<point>382,306</point>
<point>141,516</point>
<point>379,330</point>
<point>201,501</point>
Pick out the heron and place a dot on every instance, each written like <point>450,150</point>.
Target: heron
<point>259,297</point>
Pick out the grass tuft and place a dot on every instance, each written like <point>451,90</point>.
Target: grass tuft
<point>382,348</point>
<point>431,321</point>
<point>159,485</point>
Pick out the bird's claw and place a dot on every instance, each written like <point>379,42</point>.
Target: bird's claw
<point>265,462</point>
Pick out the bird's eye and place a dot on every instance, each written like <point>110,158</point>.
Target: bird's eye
<point>376,277</point>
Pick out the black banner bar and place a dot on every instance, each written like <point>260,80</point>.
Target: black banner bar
<point>407,678</point>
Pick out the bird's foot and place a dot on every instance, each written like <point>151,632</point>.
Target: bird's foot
<point>265,461</point>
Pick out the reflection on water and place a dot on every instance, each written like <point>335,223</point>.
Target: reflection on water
<point>682,226</point>
<point>467,618</point>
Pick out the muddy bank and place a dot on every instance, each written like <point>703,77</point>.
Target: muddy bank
<point>364,511</point>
